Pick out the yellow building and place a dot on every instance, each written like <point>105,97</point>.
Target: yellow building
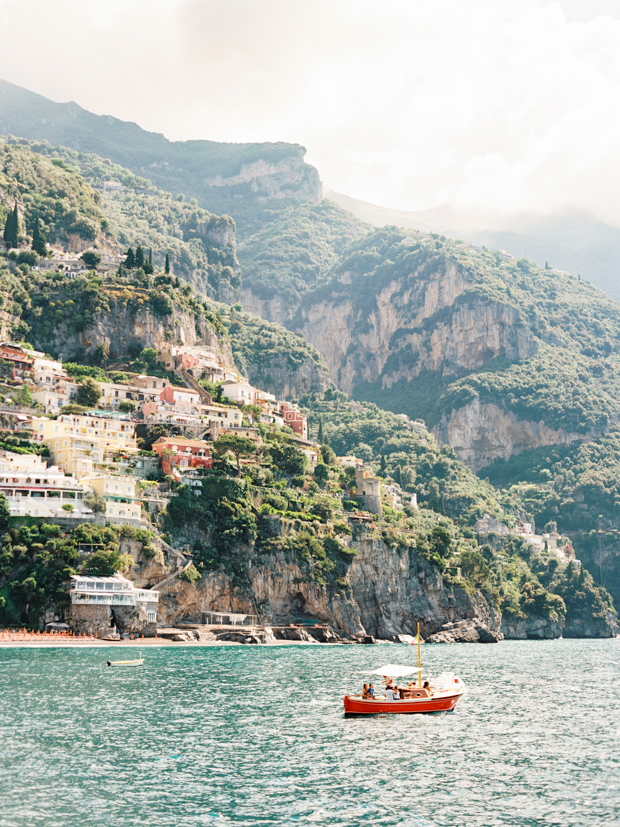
<point>119,493</point>
<point>79,443</point>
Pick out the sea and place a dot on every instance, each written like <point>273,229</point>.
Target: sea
<point>244,735</point>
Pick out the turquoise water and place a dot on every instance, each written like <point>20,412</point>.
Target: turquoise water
<point>256,736</point>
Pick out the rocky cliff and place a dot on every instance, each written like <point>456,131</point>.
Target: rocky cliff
<point>478,345</point>
<point>387,592</point>
<point>122,326</point>
<point>481,433</point>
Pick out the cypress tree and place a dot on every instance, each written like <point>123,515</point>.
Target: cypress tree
<point>7,229</point>
<point>148,267</point>
<point>139,256</point>
<point>15,228</point>
<point>11,229</point>
<point>320,437</point>
<point>167,264</point>
<point>130,261</point>
<point>38,238</point>
<point>383,463</point>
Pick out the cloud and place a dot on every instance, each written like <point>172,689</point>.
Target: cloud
<point>487,104</point>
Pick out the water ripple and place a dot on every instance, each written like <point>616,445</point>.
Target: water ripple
<point>256,736</point>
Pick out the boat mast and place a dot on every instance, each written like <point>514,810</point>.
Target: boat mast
<point>419,660</point>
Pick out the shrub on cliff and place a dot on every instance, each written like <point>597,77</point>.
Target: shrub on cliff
<point>190,574</point>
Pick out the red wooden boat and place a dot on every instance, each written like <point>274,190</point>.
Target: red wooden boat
<point>438,698</point>
<point>440,695</point>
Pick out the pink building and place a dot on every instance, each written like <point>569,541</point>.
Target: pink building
<point>183,399</point>
<point>294,419</point>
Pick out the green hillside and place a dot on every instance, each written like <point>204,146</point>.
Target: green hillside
<point>578,488</point>
<point>272,357</point>
<point>289,255</point>
<point>71,197</point>
<point>573,380</point>
<point>50,189</point>
<point>188,167</point>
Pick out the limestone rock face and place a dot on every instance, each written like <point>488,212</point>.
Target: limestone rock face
<point>289,178</point>
<point>274,309</point>
<point>121,328</point>
<point>414,324</point>
<point>532,628</point>
<point>285,380</point>
<point>592,626</point>
<point>397,589</point>
<point>480,433</point>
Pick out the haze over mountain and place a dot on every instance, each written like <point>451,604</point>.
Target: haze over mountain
<point>225,177</point>
<point>571,240</point>
<point>219,174</point>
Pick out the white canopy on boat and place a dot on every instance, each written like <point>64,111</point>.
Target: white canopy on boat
<point>392,670</point>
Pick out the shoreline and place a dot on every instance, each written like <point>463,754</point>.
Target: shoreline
<point>143,642</point>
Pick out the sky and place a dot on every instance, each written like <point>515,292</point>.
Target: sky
<point>411,104</point>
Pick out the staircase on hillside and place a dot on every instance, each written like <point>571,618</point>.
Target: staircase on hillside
<point>190,382</point>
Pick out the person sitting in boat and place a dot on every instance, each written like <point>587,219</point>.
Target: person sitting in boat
<point>389,693</point>
<point>365,692</point>
<point>371,691</point>
<point>426,685</point>
<point>396,693</point>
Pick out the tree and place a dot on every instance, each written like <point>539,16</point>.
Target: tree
<point>383,463</point>
<point>139,256</point>
<point>148,355</point>
<point>28,257</point>
<point>320,437</point>
<point>253,411</point>
<point>328,454</point>
<point>38,238</point>
<point>5,514</point>
<point>148,266</point>
<point>100,356</point>
<point>127,406</point>
<point>11,229</point>
<point>167,264</point>
<point>289,459</point>
<point>96,502</point>
<point>130,260</point>
<point>90,258</point>
<point>323,507</point>
<point>23,397</point>
<point>88,392</point>
<point>239,446</point>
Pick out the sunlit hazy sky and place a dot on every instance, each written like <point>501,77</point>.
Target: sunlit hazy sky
<point>412,104</point>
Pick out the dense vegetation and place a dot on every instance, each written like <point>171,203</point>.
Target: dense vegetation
<point>578,488</point>
<point>52,191</point>
<point>50,307</point>
<point>269,354</point>
<point>36,562</point>
<point>275,505</point>
<point>188,167</point>
<point>572,382</point>
<point>290,254</point>
<point>200,246</point>
<point>410,458</point>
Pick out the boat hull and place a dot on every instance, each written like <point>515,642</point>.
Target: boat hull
<point>442,703</point>
<point>125,662</point>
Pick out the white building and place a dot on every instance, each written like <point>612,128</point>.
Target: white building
<point>121,503</point>
<point>87,590</point>
<point>34,490</point>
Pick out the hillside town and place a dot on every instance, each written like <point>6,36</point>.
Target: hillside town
<point>72,464</point>
<point>96,451</point>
